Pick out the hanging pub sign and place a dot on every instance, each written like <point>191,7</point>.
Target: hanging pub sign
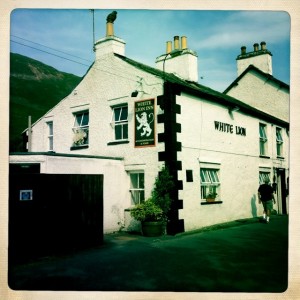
<point>144,125</point>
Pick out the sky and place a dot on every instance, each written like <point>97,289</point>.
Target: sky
<point>63,38</point>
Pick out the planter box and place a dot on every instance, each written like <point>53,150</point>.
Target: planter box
<point>152,228</point>
<point>210,200</point>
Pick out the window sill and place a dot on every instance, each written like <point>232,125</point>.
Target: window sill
<point>118,143</point>
<point>209,203</point>
<point>280,157</point>
<point>79,147</point>
<point>264,156</point>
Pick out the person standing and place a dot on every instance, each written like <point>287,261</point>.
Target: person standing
<point>266,197</point>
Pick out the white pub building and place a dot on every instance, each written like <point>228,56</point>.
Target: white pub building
<point>126,120</point>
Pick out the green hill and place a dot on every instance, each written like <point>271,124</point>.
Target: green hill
<point>34,89</point>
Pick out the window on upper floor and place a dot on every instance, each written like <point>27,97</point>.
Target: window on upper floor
<point>120,122</point>
<point>263,140</point>
<point>137,187</point>
<point>210,183</point>
<point>81,129</point>
<point>50,135</point>
<point>279,142</point>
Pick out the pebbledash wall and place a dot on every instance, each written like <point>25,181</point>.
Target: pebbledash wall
<point>193,128</point>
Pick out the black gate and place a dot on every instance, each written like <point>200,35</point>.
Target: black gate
<point>53,213</point>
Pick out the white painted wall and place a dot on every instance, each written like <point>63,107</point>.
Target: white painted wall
<point>115,190</point>
<point>262,62</point>
<point>263,94</point>
<point>236,156</point>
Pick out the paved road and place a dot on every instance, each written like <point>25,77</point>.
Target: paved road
<point>247,256</point>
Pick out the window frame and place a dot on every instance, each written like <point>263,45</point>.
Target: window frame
<point>209,182</point>
<point>137,193</point>
<point>81,129</point>
<point>279,142</point>
<point>263,140</point>
<point>120,123</point>
<point>50,127</point>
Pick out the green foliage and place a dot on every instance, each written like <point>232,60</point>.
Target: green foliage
<point>162,188</point>
<point>212,194</point>
<point>157,207</point>
<point>147,211</point>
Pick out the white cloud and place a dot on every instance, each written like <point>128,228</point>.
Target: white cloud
<point>244,28</point>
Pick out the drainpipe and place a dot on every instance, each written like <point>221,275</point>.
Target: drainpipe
<point>29,133</point>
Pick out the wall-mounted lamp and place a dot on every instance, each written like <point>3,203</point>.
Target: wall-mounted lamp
<point>232,109</point>
<point>134,93</point>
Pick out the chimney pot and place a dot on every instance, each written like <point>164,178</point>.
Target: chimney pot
<point>243,50</point>
<point>169,47</point>
<point>255,46</point>
<point>263,45</point>
<point>176,42</point>
<point>183,42</point>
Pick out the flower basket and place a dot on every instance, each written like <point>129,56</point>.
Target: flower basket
<point>211,197</point>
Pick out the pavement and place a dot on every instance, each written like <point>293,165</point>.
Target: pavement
<point>241,256</point>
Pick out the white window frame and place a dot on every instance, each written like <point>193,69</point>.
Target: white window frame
<point>137,192</point>
<point>209,181</point>
<point>81,129</point>
<point>279,142</point>
<point>263,139</point>
<point>119,122</point>
<point>50,135</point>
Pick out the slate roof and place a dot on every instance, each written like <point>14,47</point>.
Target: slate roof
<point>207,93</point>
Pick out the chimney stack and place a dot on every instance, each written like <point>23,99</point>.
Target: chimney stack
<point>110,43</point>
<point>260,58</point>
<point>180,61</point>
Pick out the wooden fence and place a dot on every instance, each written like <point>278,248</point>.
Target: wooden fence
<point>54,213</point>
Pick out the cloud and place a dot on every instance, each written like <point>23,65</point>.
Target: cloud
<point>242,28</point>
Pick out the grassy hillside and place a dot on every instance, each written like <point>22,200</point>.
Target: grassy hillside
<point>34,89</point>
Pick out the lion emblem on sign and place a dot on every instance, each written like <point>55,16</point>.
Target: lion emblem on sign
<point>144,123</point>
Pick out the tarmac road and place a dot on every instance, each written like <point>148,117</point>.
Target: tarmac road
<point>241,256</point>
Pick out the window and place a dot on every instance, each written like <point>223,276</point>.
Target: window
<point>210,183</point>
<point>279,142</point>
<point>137,187</point>
<point>263,176</point>
<point>50,136</point>
<point>262,139</point>
<point>120,122</point>
<point>81,129</point>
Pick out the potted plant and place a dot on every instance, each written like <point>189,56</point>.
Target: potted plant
<point>154,211</point>
<point>211,196</point>
<point>151,217</point>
